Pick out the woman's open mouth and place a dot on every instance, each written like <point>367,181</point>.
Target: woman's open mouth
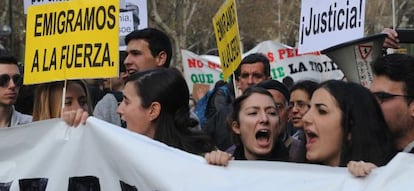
<point>263,137</point>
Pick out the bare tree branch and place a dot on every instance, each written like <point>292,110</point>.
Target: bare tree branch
<point>190,15</point>
<point>156,16</point>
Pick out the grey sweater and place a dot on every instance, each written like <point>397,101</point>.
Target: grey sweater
<point>106,108</point>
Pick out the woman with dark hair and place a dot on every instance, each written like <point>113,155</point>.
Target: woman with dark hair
<point>345,123</point>
<point>255,125</point>
<point>156,105</point>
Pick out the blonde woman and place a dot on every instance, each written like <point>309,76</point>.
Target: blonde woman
<point>48,100</point>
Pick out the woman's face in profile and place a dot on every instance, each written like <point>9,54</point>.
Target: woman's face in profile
<point>138,119</point>
<point>322,125</point>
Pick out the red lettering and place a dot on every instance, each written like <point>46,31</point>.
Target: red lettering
<point>291,53</point>
<point>297,52</point>
<point>213,65</point>
<point>286,53</point>
<point>193,63</point>
<point>281,53</point>
<point>270,56</point>
<point>199,64</point>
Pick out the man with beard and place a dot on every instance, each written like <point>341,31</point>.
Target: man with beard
<point>393,86</point>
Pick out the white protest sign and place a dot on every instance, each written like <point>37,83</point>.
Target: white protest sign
<point>200,70</point>
<point>50,155</point>
<point>126,24</point>
<point>285,62</point>
<point>332,22</point>
<point>133,16</point>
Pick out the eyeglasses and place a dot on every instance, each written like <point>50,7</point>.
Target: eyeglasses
<point>384,96</point>
<point>299,104</point>
<point>5,79</point>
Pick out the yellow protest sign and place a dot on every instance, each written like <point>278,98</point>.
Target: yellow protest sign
<point>226,29</point>
<point>72,40</point>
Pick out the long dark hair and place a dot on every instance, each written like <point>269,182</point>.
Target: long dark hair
<point>168,87</point>
<point>278,152</point>
<point>362,118</point>
<point>237,104</point>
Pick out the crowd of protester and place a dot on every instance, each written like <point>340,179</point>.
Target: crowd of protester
<point>334,123</point>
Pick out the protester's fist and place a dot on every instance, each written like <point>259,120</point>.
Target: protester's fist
<point>218,157</point>
<point>360,168</point>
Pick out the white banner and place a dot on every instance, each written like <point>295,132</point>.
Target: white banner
<point>49,155</point>
<point>200,69</point>
<point>285,61</point>
<point>332,22</point>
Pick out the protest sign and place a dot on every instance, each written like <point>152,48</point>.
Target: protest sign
<point>72,40</point>
<point>102,156</point>
<point>133,16</point>
<point>285,62</point>
<point>226,29</point>
<point>126,24</point>
<point>200,70</point>
<point>332,22</point>
<point>27,3</point>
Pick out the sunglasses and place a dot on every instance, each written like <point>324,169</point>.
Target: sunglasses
<point>5,79</point>
<point>383,96</point>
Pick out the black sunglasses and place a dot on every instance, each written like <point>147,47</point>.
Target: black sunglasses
<point>384,96</point>
<point>5,79</point>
